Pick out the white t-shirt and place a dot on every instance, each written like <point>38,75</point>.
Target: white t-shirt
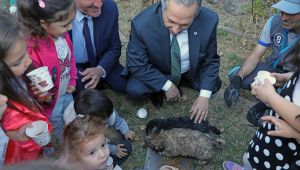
<point>64,55</point>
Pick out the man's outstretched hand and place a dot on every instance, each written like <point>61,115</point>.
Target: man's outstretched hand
<point>232,92</point>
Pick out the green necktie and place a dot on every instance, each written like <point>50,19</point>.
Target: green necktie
<point>175,61</point>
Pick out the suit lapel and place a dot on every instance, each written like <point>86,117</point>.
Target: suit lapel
<point>194,44</point>
<point>163,39</point>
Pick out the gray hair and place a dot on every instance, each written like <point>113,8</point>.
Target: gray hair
<point>187,3</point>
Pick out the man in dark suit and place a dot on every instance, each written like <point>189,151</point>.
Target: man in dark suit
<point>151,53</point>
<point>97,45</point>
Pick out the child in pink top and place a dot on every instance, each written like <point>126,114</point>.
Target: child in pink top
<point>48,44</point>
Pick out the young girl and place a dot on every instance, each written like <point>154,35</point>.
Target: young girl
<point>21,109</point>
<point>47,22</point>
<point>266,149</point>
<point>85,142</point>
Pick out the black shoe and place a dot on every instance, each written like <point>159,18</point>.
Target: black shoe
<point>255,113</point>
<point>156,99</point>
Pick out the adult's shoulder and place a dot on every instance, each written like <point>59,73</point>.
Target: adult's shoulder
<point>208,15</point>
<point>109,8</point>
<point>109,5</point>
<point>109,13</point>
<point>148,16</point>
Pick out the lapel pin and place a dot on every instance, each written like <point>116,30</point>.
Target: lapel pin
<point>195,33</point>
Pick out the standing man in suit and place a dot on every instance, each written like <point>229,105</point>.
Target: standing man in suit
<point>97,45</point>
<point>171,43</point>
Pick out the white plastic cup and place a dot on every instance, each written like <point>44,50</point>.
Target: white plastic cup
<point>41,78</point>
<point>142,113</point>
<point>259,80</point>
<point>39,132</point>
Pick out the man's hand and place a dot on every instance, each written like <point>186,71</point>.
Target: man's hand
<point>199,109</point>
<point>232,92</point>
<point>93,75</point>
<point>121,151</point>
<point>130,135</point>
<point>172,94</point>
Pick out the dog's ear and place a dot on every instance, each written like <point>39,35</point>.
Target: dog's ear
<point>154,131</point>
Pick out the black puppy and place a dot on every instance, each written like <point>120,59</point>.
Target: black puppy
<point>180,122</point>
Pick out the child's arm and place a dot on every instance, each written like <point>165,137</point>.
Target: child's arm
<point>73,70</point>
<point>3,105</point>
<point>19,135</point>
<point>36,62</point>
<point>284,129</point>
<point>286,109</point>
<point>112,148</point>
<point>121,125</point>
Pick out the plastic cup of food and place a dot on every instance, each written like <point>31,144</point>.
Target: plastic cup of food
<point>167,167</point>
<point>39,132</point>
<point>259,80</point>
<point>142,113</point>
<point>41,78</point>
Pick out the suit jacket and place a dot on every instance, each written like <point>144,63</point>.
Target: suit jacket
<point>148,51</point>
<point>106,36</point>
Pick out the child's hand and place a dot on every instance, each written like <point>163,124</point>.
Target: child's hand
<point>281,79</point>
<point>284,129</point>
<point>40,96</point>
<point>263,92</point>
<point>121,151</point>
<point>71,89</point>
<point>3,105</point>
<point>130,135</point>
<point>19,134</point>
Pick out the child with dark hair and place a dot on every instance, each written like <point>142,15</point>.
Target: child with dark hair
<point>21,110</point>
<point>93,102</point>
<point>275,144</point>
<point>46,23</point>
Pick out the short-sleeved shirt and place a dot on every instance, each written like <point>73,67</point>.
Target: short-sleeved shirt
<point>265,37</point>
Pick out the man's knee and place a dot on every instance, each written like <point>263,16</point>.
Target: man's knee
<point>136,90</point>
<point>119,86</point>
<point>135,93</point>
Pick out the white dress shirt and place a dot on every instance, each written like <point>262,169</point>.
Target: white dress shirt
<point>183,42</point>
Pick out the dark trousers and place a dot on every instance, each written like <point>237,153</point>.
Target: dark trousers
<point>113,79</point>
<point>115,137</point>
<point>137,90</point>
<point>128,146</point>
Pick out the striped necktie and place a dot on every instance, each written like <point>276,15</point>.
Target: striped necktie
<point>175,61</point>
<point>88,43</point>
